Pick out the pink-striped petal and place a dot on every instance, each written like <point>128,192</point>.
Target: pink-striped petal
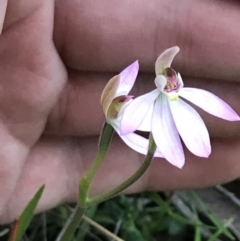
<point>165,132</point>
<point>136,142</point>
<point>210,103</point>
<point>134,114</point>
<point>191,128</point>
<point>165,59</point>
<point>127,79</point>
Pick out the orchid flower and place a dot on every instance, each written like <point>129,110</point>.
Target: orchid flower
<point>115,98</point>
<point>167,116</point>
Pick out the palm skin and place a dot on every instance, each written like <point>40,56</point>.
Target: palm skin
<point>55,59</point>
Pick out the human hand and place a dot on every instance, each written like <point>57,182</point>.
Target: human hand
<point>54,66</point>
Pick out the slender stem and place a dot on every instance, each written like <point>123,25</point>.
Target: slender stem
<point>102,229</point>
<point>129,181</point>
<point>84,185</point>
<point>13,234</point>
<point>71,225</point>
<point>105,139</point>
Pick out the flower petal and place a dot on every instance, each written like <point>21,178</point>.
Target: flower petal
<point>109,93</point>
<point>127,79</point>
<point>165,59</point>
<point>210,103</point>
<point>160,82</point>
<point>146,124</point>
<point>165,132</point>
<point>191,128</point>
<point>180,81</point>
<point>136,142</point>
<point>134,114</point>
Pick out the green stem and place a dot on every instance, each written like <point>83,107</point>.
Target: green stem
<point>84,185</point>
<point>71,225</point>
<point>129,181</point>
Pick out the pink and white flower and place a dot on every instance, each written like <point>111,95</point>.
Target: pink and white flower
<point>115,98</point>
<point>167,116</point>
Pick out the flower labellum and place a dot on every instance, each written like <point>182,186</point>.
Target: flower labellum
<point>114,100</point>
<point>167,116</point>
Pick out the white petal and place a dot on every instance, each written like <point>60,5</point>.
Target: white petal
<point>160,82</point>
<point>136,142</point>
<point>165,59</point>
<point>191,128</point>
<point>180,81</point>
<point>210,103</point>
<point>146,125</point>
<point>127,79</point>
<point>134,114</point>
<point>165,132</point>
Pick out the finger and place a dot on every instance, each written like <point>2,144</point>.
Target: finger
<point>32,77</point>
<point>108,36</point>
<point>59,163</point>
<point>78,111</point>
<point>20,10</point>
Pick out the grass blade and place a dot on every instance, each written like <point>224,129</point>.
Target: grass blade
<point>22,223</point>
<point>215,220</point>
<point>221,230</point>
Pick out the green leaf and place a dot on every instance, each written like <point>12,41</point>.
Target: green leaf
<point>132,233</point>
<point>181,219</point>
<point>63,212</point>
<point>28,214</point>
<point>85,227</point>
<point>221,230</point>
<point>165,206</point>
<point>68,231</point>
<point>198,235</point>
<point>215,220</point>
<point>174,227</point>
